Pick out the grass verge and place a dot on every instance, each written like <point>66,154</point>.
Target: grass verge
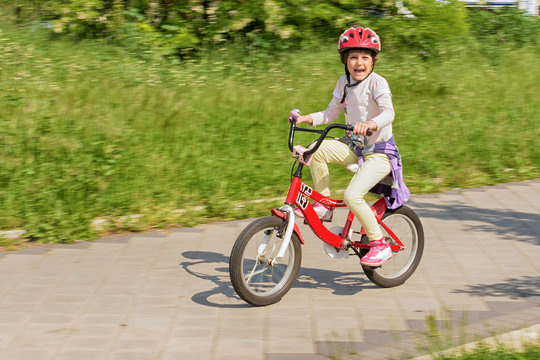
<point>90,130</point>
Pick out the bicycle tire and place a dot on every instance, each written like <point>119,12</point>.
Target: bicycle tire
<point>408,228</point>
<point>253,278</point>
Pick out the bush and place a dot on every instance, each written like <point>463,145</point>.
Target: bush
<point>435,26</point>
<point>503,27</point>
<point>181,28</point>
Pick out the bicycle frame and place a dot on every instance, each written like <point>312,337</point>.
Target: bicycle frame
<point>298,192</point>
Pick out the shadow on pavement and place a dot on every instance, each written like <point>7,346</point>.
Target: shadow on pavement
<point>514,288</point>
<point>517,225</point>
<point>223,295</point>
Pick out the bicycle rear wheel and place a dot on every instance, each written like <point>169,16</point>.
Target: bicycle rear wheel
<point>407,226</point>
<point>253,276</point>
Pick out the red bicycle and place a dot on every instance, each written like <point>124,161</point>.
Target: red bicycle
<point>266,256</point>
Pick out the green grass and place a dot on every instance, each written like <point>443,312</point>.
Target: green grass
<point>530,352</point>
<point>442,344</point>
<point>448,340</point>
<point>90,130</point>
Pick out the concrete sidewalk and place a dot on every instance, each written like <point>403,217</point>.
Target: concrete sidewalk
<point>167,295</point>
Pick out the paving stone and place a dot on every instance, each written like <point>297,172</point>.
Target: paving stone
<point>294,356</point>
<point>291,346</point>
<point>81,355</point>
<point>17,353</point>
<point>132,355</point>
<point>186,355</point>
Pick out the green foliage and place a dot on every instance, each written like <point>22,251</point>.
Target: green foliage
<point>505,27</point>
<point>184,27</point>
<point>436,26</point>
<point>530,352</point>
<point>79,18</point>
<point>139,34</point>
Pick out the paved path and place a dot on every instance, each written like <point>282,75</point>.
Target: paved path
<point>167,295</point>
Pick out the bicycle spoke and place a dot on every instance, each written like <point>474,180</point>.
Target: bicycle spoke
<point>253,272</point>
<point>264,242</point>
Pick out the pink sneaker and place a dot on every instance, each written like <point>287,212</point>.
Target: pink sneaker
<point>379,253</point>
<point>325,213</point>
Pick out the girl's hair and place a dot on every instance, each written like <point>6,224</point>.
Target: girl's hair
<point>345,55</point>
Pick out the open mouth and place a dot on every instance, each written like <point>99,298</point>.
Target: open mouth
<point>359,72</point>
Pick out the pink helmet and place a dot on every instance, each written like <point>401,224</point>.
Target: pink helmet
<point>359,38</point>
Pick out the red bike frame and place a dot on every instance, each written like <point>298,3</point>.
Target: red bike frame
<point>297,196</point>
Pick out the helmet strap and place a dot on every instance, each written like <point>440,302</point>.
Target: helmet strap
<point>348,74</point>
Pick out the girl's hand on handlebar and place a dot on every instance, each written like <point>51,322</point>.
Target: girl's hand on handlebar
<point>304,119</point>
<point>366,128</point>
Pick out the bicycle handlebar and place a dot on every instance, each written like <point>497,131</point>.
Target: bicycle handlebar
<point>321,138</point>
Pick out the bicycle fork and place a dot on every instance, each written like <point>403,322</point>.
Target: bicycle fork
<point>289,225</point>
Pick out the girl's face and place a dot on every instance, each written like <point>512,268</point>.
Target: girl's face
<point>359,64</point>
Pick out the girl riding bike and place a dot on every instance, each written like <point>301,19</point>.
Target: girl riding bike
<point>367,101</point>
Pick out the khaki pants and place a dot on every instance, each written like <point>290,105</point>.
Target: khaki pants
<point>375,167</point>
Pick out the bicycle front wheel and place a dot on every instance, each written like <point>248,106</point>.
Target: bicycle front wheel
<point>253,276</point>
<point>407,226</point>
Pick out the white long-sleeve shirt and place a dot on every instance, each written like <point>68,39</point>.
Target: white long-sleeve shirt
<point>369,100</point>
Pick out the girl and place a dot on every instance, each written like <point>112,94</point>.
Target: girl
<point>367,101</point>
